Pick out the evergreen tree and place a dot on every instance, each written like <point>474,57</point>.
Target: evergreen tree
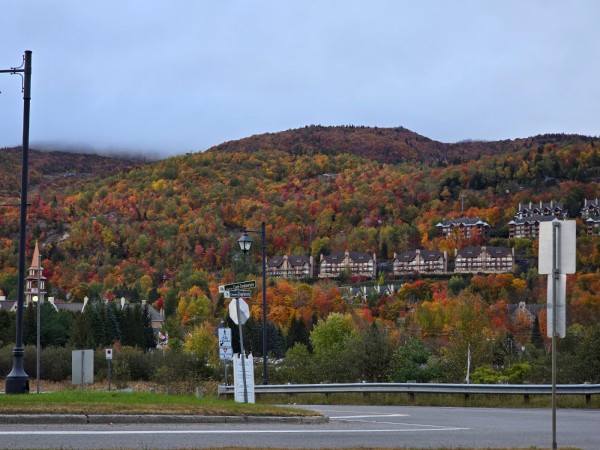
<point>30,325</point>
<point>536,334</point>
<point>82,333</point>
<point>297,333</point>
<point>149,338</point>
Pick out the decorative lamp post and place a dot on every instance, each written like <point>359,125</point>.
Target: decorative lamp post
<point>245,243</point>
<point>17,381</point>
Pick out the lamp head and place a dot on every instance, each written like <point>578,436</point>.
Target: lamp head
<point>245,242</point>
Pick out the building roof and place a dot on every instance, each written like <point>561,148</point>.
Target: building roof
<point>531,219</point>
<point>275,261</point>
<point>298,260</point>
<point>469,252</point>
<point>338,257</point>
<point>498,252</point>
<point>431,255</point>
<point>464,221</point>
<point>407,256</point>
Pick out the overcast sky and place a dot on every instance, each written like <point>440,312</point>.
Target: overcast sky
<point>173,76</point>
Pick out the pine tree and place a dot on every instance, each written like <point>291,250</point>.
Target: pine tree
<point>149,338</point>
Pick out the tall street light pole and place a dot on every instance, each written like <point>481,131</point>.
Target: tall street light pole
<point>245,242</point>
<point>17,381</point>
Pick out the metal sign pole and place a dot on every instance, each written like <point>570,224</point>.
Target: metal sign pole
<point>555,271</point>
<point>243,353</point>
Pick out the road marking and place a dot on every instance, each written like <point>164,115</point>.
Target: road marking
<point>148,432</point>
<point>362,417</point>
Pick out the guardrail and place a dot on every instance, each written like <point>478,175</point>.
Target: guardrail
<point>423,388</point>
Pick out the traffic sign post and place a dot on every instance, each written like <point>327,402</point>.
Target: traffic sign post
<point>225,348</point>
<point>556,259</point>
<point>109,357</point>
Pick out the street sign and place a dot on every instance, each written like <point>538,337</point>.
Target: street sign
<point>237,286</point>
<point>109,353</point>
<point>225,353</point>
<point>237,294</point>
<point>244,311</point>
<point>561,306</point>
<point>224,337</point>
<point>565,247</point>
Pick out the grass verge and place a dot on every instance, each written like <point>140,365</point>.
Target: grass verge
<point>100,402</point>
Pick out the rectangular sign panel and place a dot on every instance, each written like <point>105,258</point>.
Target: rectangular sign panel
<point>565,247</point>
<point>561,315</point>
<point>83,366</point>
<point>238,378</point>
<point>237,294</point>
<point>237,286</point>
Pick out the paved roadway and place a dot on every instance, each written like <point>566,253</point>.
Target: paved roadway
<point>349,426</point>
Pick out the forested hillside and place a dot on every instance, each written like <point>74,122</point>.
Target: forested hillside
<point>167,231</point>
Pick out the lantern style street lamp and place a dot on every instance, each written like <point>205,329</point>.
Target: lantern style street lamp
<point>245,242</point>
<point>17,381</point>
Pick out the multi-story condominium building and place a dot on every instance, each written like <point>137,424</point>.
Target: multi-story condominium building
<point>484,259</point>
<point>358,264</point>
<point>591,208</point>
<point>290,266</point>
<point>420,261</point>
<point>527,227</point>
<point>463,227</point>
<point>552,208</point>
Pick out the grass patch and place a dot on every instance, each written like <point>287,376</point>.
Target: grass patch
<point>99,402</point>
<point>448,400</point>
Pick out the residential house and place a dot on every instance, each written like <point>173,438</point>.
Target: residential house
<point>527,227</point>
<point>358,264</point>
<point>552,208</point>
<point>420,261</point>
<point>290,266</point>
<point>484,259</point>
<point>591,213</point>
<point>591,208</point>
<point>464,227</point>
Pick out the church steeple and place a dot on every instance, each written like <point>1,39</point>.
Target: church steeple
<point>34,276</point>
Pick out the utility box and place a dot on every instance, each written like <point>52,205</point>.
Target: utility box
<point>83,366</point>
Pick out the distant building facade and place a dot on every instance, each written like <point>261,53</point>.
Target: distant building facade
<point>527,227</point>
<point>464,227</point>
<point>420,261</point>
<point>552,208</point>
<point>484,259</point>
<point>290,266</point>
<point>358,264</point>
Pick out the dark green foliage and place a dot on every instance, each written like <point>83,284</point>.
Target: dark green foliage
<point>297,333</point>
<point>378,354</point>
<point>7,327</point>
<point>411,362</point>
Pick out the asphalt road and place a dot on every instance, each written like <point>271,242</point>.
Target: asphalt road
<point>349,426</point>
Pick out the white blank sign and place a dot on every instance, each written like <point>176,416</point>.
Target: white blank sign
<point>566,240</point>
<point>561,301</point>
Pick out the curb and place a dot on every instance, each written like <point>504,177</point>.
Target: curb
<point>39,419</point>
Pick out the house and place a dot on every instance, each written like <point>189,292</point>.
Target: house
<point>591,209</point>
<point>523,311</point>
<point>358,264</point>
<point>290,266</point>
<point>484,259</point>
<point>552,208</point>
<point>527,227</point>
<point>593,226</point>
<point>420,261</point>
<point>463,227</point>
